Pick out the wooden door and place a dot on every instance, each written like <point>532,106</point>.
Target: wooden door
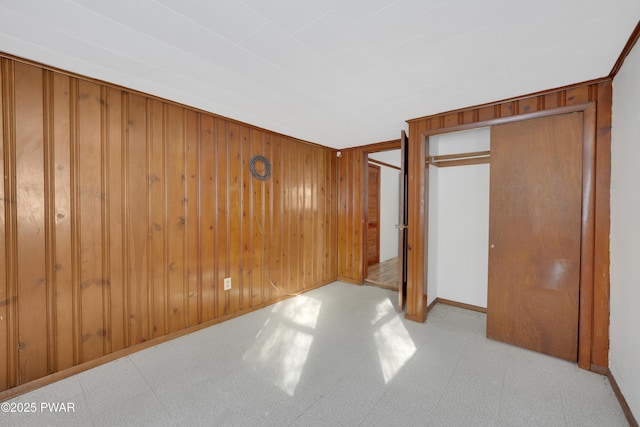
<point>402,222</point>
<point>373,215</point>
<point>534,234</point>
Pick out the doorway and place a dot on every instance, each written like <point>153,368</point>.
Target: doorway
<point>382,202</point>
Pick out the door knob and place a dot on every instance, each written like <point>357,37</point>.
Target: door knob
<point>401,226</point>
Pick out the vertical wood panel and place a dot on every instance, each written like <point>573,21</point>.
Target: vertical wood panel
<point>31,277</point>
<point>74,184</point>
<point>275,274</point>
<point>286,226</point>
<point>469,116</point>
<point>451,120</point>
<point>308,214</point>
<point>506,109</point>
<point>264,231</point>
<point>319,203</point>
<point>346,212</point>
<point>485,113</point>
<point>116,126</point>
<point>553,100</point>
<point>528,105</point>
<point>302,215</point>
<point>577,95</point>
<point>343,215</point>
<point>317,174</point>
<point>222,215</point>
<point>332,216</point>
<point>587,231</point>
<point>289,237</point>
<point>175,200</point>
<point>330,212</point>
<point>317,169</point>
<point>90,206</point>
<point>417,222</point>
<point>267,222</point>
<point>193,212</point>
<point>138,221</point>
<point>63,262</point>
<point>257,226</point>
<point>104,220</point>
<point>297,215</point>
<point>157,221</point>
<point>297,200</point>
<point>235,206</point>
<point>600,355</point>
<point>208,227</point>
<point>49,218</point>
<point>126,224</point>
<point>292,236</point>
<point>357,225</point>
<point>5,301</point>
<point>247,219</point>
<point>10,220</point>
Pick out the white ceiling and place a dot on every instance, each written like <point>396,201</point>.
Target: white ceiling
<point>340,73</point>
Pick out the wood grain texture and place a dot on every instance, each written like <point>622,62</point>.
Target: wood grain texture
<point>602,221</point>
<point>8,305</point>
<point>121,214</point>
<point>535,234</point>
<point>352,170</point>
<point>580,97</point>
<point>587,239</point>
<point>351,216</point>
<point>30,203</point>
<point>385,275</point>
<point>373,214</point>
<point>417,220</point>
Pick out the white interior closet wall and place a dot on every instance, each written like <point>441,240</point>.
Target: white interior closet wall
<point>389,208</point>
<point>459,221</point>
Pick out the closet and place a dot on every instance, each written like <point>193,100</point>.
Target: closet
<point>458,220</point>
<point>507,236</point>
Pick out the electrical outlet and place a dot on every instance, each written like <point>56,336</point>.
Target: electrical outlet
<point>227,283</point>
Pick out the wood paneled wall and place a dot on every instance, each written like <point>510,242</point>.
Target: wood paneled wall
<point>352,215</point>
<point>120,215</point>
<point>596,92</point>
<point>352,209</point>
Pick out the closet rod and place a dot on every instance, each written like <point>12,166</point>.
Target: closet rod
<point>457,157</point>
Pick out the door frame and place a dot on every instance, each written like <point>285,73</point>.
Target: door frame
<point>367,218</point>
<point>418,220</point>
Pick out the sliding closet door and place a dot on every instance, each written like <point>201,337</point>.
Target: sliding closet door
<point>534,234</point>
